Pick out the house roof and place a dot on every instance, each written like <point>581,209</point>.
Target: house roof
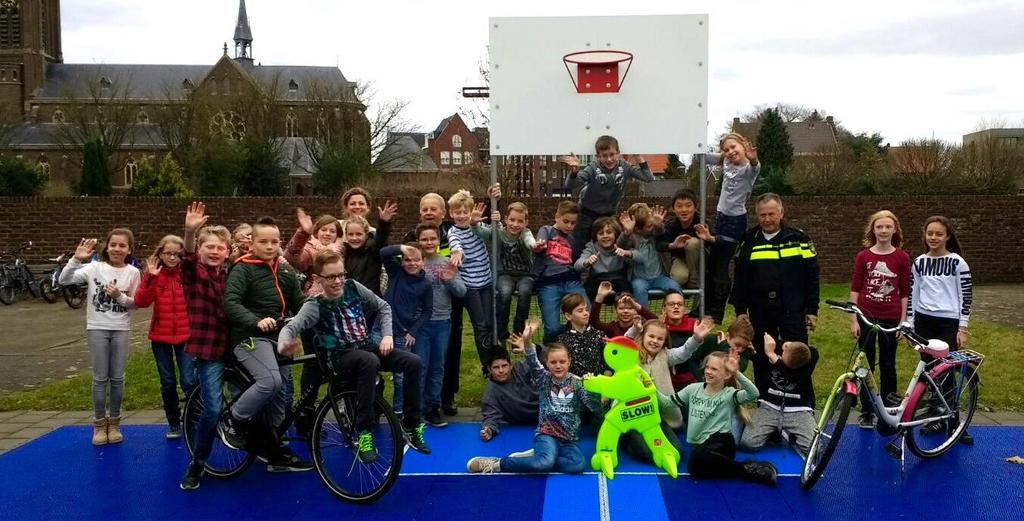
<point>295,156</point>
<point>419,137</point>
<point>404,154</point>
<point>161,82</point>
<point>442,125</point>
<point>28,135</point>
<point>807,137</point>
<point>242,30</point>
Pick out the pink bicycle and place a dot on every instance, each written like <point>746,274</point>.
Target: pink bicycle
<point>936,409</point>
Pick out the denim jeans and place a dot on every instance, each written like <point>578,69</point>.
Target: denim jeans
<point>453,355</point>
<point>399,382</point>
<point>479,304</point>
<point>108,351</point>
<point>431,349</point>
<point>550,298</point>
<point>641,286</point>
<point>165,355</point>
<point>729,231</point>
<point>549,455</point>
<point>507,285</point>
<point>209,378</point>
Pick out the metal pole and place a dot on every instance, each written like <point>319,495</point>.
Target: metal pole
<point>495,253</point>
<point>704,221</point>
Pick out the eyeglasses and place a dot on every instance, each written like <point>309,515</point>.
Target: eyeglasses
<point>675,304</point>
<point>169,255</point>
<point>332,278</point>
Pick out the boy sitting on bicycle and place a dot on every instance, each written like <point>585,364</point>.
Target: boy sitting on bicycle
<point>341,319</point>
<point>787,402</point>
<point>261,291</point>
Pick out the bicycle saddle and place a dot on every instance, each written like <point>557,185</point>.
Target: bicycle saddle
<point>937,348</point>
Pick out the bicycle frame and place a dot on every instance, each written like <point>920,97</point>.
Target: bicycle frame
<point>859,375</point>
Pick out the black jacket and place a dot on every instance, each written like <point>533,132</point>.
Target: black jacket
<point>787,388</point>
<point>783,271</point>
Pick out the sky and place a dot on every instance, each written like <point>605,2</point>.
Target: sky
<point>907,69</point>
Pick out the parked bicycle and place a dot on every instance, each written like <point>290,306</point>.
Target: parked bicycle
<point>15,275</point>
<point>51,289</point>
<point>936,409</point>
<point>333,438</point>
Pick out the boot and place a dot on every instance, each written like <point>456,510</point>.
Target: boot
<point>99,432</point>
<point>114,430</point>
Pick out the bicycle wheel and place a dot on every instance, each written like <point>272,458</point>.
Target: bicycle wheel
<point>74,295</point>
<point>6,288</point>
<point>960,390</point>
<point>335,452</point>
<point>826,439</point>
<point>223,461</point>
<point>46,288</point>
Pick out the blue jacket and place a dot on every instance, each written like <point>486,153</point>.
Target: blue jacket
<point>411,296</point>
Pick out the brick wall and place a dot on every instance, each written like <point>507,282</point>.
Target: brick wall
<point>990,228</point>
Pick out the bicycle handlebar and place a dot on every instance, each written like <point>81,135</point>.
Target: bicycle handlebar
<point>917,341</point>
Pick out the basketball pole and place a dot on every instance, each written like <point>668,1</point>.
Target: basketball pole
<point>495,252</point>
<point>703,220</point>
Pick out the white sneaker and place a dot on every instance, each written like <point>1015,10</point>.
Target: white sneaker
<point>483,465</point>
<point>522,454</point>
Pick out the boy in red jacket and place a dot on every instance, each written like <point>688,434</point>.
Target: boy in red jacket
<point>169,327</point>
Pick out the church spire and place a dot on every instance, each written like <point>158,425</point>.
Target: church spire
<point>243,35</point>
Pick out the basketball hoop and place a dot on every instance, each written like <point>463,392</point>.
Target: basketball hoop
<point>598,71</point>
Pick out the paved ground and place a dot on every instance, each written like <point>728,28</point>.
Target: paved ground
<point>1002,303</point>
<point>45,342</point>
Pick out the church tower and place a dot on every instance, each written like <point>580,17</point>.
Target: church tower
<point>29,42</point>
<point>243,36</point>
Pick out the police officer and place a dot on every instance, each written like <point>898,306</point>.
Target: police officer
<point>776,282</point>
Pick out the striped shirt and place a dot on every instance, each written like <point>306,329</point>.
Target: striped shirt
<point>476,263</point>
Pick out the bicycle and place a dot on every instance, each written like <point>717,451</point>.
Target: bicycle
<point>50,287</point>
<point>333,440</point>
<point>936,409</point>
<point>16,276</point>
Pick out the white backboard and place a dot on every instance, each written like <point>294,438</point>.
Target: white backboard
<point>661,106</point>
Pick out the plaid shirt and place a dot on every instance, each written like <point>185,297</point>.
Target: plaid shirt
<point>204,291</point>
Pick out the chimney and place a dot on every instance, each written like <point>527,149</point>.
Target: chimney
<point>735,121</point>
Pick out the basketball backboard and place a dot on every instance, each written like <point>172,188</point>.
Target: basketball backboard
<point>557,83</point>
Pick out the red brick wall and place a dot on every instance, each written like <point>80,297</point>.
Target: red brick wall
<point>991,229</point>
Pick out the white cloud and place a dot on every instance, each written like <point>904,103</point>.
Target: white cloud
<point>426,51</point>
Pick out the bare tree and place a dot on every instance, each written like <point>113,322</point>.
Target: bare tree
<point>477,111</point>
<point>787,111</point>
<point>922,156</point>
<point>98,109</point>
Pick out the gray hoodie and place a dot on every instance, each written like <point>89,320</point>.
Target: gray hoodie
<point>513,402</point>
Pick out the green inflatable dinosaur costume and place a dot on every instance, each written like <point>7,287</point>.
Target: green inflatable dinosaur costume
<point>635,408</point>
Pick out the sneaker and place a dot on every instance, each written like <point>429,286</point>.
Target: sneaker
<point>522,454</point>
<point>173,432</point>
<point>893,400</point>
<point>483,465</point>
<point>867,420</point>
<point>434,418</point>
<point>287,461</point>
<point>966,439</point>
<point>192,476</point>
<point>449,409</point>
<point>762,472</point>
<point>367,452</point>
<point>233,432</point>
<point>399,415</point>
<point>414,438</point>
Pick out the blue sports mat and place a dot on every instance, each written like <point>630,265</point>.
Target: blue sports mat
<point>61,476</point>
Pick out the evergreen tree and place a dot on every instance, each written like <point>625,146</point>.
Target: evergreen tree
<point>263,174</point>
<point>675,168</point>
<point>339,168</point>
<point>95,170</point>
<point>165,180</point>
<point>19,179</point>
<point>216,166</point>
<point>775,154</point>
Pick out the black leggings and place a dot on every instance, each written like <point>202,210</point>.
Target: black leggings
<point>716,459</point>
<point>886,359</point>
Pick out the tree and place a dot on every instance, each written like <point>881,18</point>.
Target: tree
<point>775,153</point>
<point>163,180</point>
<point>338,170</point>
<point>216,165</point>
<point>262,173</point>
<point>100,109</point>
<point>864,143</point>
<point>95,170</point>
<point>675,168</point>
<point>19,179</point>
<point>788,112</point>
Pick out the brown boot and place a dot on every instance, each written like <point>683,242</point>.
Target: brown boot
<point>99,432</point>
<point>114,430</point>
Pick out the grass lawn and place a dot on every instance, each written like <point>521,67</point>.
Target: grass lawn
<point>1001,389</point>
